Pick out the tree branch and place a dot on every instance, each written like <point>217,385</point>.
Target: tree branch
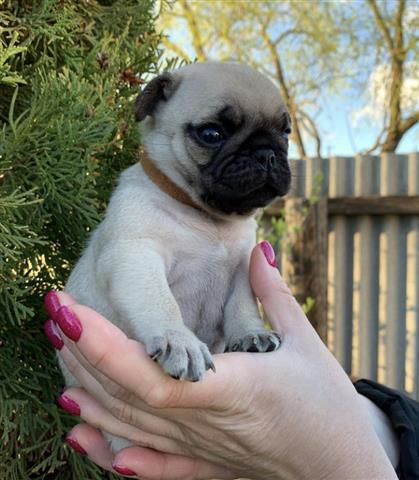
<point>312,130</point>
<point>408,123</point>
<point>377,143</point>
<point>399,28</point>
<point>263,69</point>
<point>287,33</point>
<point>175,48</point>
<point>194,30</point>
<point>381,24</point>
<point>296,134</point>
<point>265,23</point>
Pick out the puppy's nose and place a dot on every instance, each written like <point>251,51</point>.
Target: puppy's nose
<point>266,157</point>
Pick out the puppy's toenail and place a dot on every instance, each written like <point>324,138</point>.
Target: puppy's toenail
<point>154,356</point>
<point>211,366</point>
<point>253,348</point>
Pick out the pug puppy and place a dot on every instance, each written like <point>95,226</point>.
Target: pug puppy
<point>169,264</point>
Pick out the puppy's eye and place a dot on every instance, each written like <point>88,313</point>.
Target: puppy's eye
<point>210,134</point>
<point>285,133</point>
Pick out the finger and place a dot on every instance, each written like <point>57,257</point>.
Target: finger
<point>95,382</point>
<point>111,387</point>
<point>89,441</point>
<point>281,308</point>
<point>66,299</point>
<point>151,464</point>
<point>116,409</point>
<point>124,361</point>
<point>54,300</point>
<point>93,413</point>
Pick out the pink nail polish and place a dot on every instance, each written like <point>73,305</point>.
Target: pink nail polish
<point>74,444</point>
<point>69,323</point>
<point>268,252</point>
<point>123,470</point>
<point>52,303</point>
<point>53,335</point>
<point>68,404</point>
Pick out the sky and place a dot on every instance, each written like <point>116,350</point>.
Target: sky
<point>341,132</point>
<point>343,136</point>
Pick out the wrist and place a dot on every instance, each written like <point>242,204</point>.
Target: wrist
<point>355,450</point>
<point>383,430</point>
<point>350,456</point>
<point>360,456</point>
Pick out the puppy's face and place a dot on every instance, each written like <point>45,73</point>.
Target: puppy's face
<point>220,131</point>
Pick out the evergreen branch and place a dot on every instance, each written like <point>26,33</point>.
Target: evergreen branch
<point>60,154</point>
<point>6,76</point>
<point>12,109</point>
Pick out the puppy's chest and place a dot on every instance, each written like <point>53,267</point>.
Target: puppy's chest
<point>201,284</point>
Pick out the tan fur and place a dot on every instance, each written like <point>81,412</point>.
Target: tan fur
<point>164,271</point>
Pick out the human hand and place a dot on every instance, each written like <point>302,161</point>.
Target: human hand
<point>292,413</point>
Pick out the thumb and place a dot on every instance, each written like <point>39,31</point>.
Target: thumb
<point>153,464</point>
<point>281,308</point>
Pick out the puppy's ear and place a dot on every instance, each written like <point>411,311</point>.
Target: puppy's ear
<point>159,89</point>
<point>287,123</point>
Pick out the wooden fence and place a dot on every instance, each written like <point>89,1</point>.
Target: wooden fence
<point>355,251</point>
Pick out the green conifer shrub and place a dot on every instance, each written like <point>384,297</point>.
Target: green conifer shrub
<point>69,72</point>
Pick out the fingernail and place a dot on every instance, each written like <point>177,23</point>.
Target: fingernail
<point>123,470</point>
<point>74,444</point>
<point>268,252</point>
<point>52,303</point>
<point>68,404</point>
<point>53,335</point>
<point>69,323</point>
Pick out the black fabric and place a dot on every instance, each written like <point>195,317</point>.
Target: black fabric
<point>403,413</point>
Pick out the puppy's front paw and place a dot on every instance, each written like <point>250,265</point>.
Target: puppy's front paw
<point>255,341</point>
<point>180,354</point>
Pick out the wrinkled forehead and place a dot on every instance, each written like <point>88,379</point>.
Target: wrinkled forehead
<point>228,96</point>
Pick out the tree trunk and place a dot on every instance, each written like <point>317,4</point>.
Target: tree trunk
<point>296,131</point>
<point>397,127</point>
<point>304,259</point>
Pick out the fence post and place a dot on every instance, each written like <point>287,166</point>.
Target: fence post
<point>304,257</point>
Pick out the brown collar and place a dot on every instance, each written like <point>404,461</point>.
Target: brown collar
<point>164,182</point>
